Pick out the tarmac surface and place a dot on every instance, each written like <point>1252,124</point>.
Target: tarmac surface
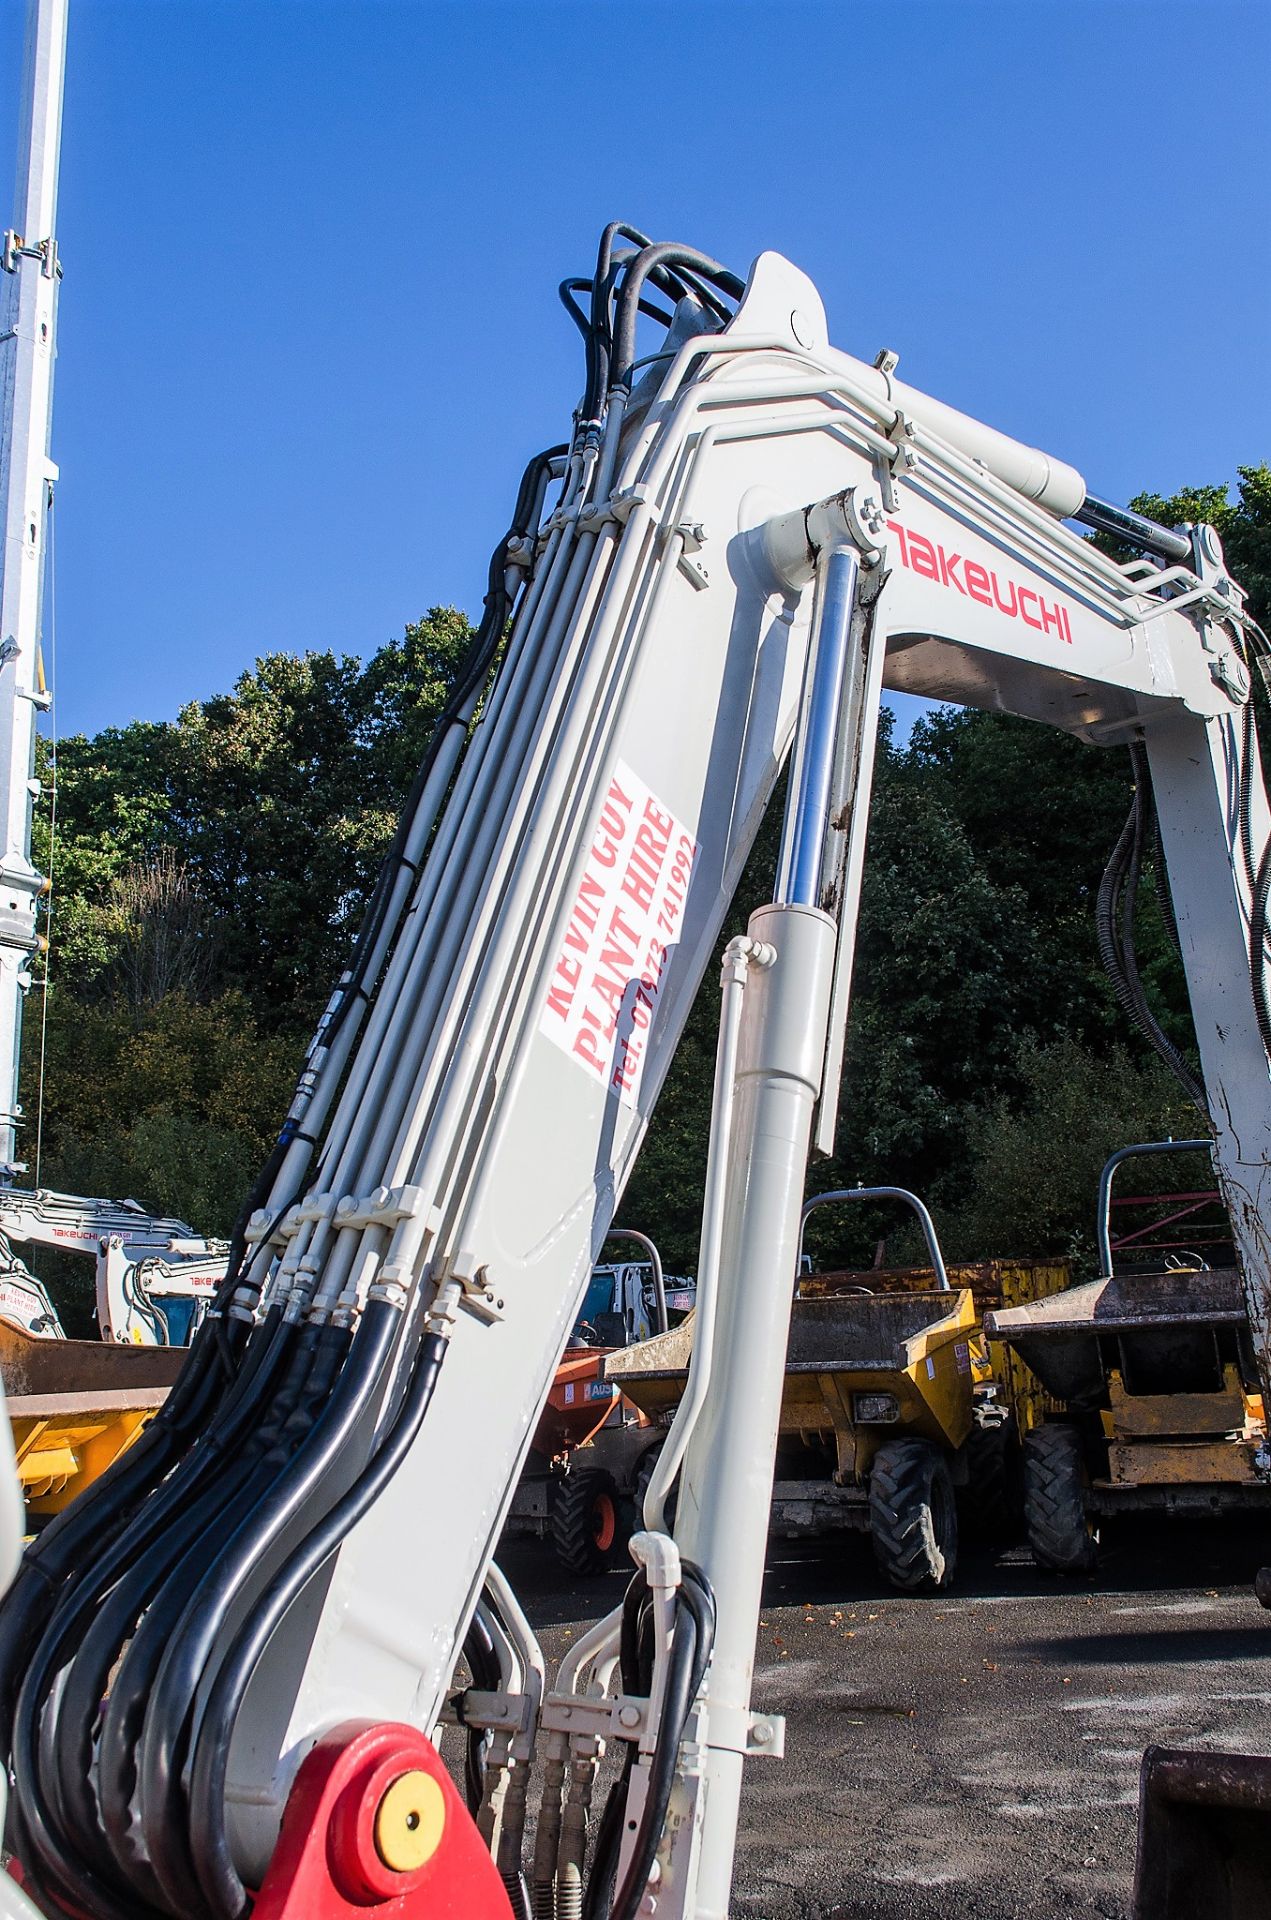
<point>975,1756</point>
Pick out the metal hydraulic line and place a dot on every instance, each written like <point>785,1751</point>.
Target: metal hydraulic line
<point>28,316</point>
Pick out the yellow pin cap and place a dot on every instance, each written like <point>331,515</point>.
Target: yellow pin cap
<point>409,1822</point>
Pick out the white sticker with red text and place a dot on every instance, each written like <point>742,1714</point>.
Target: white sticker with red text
<point>624,922</point>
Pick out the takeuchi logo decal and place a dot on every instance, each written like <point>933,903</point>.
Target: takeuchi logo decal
<point>975,582</point>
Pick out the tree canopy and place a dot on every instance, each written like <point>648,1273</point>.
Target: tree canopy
<point>209,874</point>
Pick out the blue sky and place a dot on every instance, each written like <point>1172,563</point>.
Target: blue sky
<point>309,330</point>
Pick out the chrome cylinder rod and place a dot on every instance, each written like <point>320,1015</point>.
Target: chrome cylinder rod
<point>812,777</point>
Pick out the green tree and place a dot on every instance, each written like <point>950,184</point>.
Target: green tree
<point>210,873</point>
<point>1244,525</point>
<point>1035,1158</point>
<point>276,800</point>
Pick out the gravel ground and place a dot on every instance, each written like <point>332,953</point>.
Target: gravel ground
<point>973,1757</point>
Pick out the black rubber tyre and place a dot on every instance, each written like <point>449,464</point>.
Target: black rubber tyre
<point>587,1529</point>
<point>992,1502</point>
<point>1055,1481</point>
<point>644,1473</point>
<point>913,1516</point>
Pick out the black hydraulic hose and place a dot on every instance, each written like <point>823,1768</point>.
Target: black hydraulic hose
<point>635,1665</point>
<point>568,288</point>
<point>678,1699</point>
<point>665,254</point>
<point>95,1630</point>
<point>598,1899</point>
<point>212,1573</point>
<point>601,321</point>
<point>1258,875</point>
<point>168,1594</point>
<point>609,268</point>
<point>699,1596</point>
<point>1116,942</point>
<point>1248,743</point>
<point>68,1544</point>
<point>682,283</point>
<point>154,1592</point>
<point>693,1641</point>
<point>633,1602</point>
<point>79,1616</point>
<point>565,292</point>
<point>1160,885</point>
<point>209,1846</point>
<point>478,1651</point>
<point>302,1482</point>
<point>86,1895</point>
<point>99,1616</point>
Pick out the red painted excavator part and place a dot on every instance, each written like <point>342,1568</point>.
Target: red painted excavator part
<point>327,1865</point>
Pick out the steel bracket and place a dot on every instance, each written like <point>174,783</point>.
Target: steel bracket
<point>766,1736</point>
<point>386,1207</point>
<point>903,461</point>
<point>45,251</point>
<point>479,1295</point>
<point>618,508</point>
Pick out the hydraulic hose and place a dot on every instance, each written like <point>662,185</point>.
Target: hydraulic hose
<point>77,1602</point>
<point>64,1550</point>
<point>212,1860</point>
<point>601,331</point>
<point>1114,926</point>
<point>692,1641</point>
<point>665,254</point>
<point>1258,875</point>
<point>478,1651</point>
<point>99,1617</point>
<point>192,1637</point>
<point>156,1593</point>
<point>63,1780</point>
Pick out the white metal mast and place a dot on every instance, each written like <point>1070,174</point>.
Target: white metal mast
<point>27,347</point>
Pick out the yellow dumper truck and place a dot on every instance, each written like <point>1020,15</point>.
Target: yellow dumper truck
<point>890,1416</point>
<point>1157,1402</point>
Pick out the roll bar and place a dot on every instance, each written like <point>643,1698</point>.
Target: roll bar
<point>659,1288</point>
<point>883,1193</point>
<point>1103,1224</point>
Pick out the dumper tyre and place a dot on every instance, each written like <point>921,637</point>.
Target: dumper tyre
<point>1055,1483</point>
<point>587,1525</point>
<point>913,1516</point>
<point>644,1473</point>
<point>993,1499</point>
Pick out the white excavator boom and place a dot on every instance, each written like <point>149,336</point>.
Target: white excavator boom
<point>747,537</point>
